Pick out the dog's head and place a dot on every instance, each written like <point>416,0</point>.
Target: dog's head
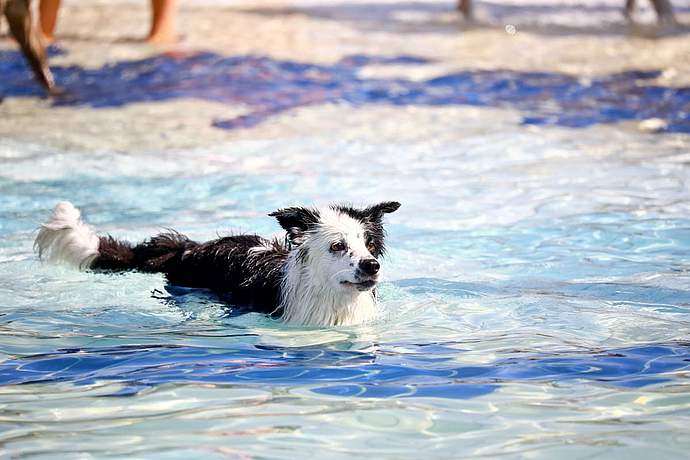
<point>340,245</point>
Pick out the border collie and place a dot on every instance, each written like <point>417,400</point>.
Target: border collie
<point>323,274</point>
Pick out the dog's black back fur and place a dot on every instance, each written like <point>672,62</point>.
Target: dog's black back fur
<point>225,265</point>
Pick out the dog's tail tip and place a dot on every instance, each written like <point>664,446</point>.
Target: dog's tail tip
<point>65,238</point>
<point>66,209</point>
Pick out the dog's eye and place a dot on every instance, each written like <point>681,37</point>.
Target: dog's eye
<point>371,246</point>
<point>338,246</point>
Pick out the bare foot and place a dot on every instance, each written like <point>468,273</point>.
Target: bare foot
<point>161,38</point>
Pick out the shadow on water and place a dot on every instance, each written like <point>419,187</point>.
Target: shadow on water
<point>269,87</point>
<point>383,373</point>
<point>194,300</point>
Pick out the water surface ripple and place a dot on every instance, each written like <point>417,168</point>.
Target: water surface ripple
<point>536,300</point>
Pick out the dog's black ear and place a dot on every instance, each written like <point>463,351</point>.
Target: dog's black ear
<point>296,220</point>
<point>295,217</point>
<point>377,211</point>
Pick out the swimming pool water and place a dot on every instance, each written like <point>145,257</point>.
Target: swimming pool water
<point>536,302</point>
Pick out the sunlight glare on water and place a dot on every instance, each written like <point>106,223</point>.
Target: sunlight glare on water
<point>540,300</point>
<point>535,302</point>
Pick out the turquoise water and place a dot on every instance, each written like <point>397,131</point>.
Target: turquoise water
<point>536,304</point>
<point>536,301</point>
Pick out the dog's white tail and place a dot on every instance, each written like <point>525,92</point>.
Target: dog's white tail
<point>65,238</point>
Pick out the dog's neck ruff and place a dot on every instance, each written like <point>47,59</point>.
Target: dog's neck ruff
<point>306,301</point>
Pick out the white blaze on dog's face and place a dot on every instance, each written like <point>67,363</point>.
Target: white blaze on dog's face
<point>340,252</point>
<point>338,246</point>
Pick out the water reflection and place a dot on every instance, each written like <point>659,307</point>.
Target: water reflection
<point>424,369</point>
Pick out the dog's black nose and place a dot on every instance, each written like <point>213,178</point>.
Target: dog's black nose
<point>369,266</point>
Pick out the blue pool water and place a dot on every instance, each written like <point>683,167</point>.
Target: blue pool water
<point>537,294</point>
<point>384,373</point>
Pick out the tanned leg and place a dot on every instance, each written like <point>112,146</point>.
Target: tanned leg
<point>48,10</point>
<point>18,14</point>
<point>629,9</point>
<point>465,7</point>
<point>163,17</point>
<point>664,11</point>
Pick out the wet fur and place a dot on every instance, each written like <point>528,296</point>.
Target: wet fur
<point>298,278</point>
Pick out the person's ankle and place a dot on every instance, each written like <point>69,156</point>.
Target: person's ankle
<point>47,39</point>
<point>161,37</point>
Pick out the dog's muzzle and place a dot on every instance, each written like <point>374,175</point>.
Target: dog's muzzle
<point>366,276</point>
<point>363,285</point>
<point>369,267</point>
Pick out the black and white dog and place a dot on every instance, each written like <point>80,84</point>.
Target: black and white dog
<point>324,273</point>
